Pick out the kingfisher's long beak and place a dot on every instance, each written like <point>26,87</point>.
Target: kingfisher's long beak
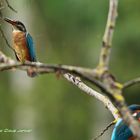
<point>13,22</point>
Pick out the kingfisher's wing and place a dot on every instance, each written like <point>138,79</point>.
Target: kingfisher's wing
<point>121,131</point>
<point>31,47</point>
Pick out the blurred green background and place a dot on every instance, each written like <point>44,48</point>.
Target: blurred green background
<point>66,32</point>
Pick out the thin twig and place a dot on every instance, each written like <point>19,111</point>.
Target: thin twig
<point>131,83</point>
<point>104,130</point>
<point>9,5</point>
<point>4,37</point>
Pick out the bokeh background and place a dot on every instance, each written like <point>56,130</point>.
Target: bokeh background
<point>66,32</point>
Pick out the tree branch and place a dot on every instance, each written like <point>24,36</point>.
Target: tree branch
<point>77,81</point>
<point>108,35</point>
<point>87,74</point>
<point>102,71</point>
<point>131,83</point>
<point>7,63</point>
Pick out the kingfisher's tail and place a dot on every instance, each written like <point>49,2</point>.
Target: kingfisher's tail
<point>31,73</point>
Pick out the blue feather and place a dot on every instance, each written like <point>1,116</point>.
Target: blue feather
<point>121,131</point>
<point>31,47</point>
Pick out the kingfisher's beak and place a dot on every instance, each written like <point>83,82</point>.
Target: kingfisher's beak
<point>13,22</point>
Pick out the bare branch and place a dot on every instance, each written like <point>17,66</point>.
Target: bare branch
<point>85,73</point>
<point>77,81</point>
<point>131,83</point>
<point>102,71</point>
<point>9,5</point>
<point>108,35</point>
<point>7,63</point>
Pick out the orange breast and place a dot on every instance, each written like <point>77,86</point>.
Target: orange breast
<point>20,46</point>
<point>132,138</point>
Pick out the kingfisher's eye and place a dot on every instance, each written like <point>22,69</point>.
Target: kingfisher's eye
<point>21,28</point>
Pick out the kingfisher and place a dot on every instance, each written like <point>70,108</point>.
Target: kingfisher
<point>121,131</point>
<point>23,45</point>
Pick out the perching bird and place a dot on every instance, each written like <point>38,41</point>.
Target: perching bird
<point>121,131</point>
<point>22,44</point>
